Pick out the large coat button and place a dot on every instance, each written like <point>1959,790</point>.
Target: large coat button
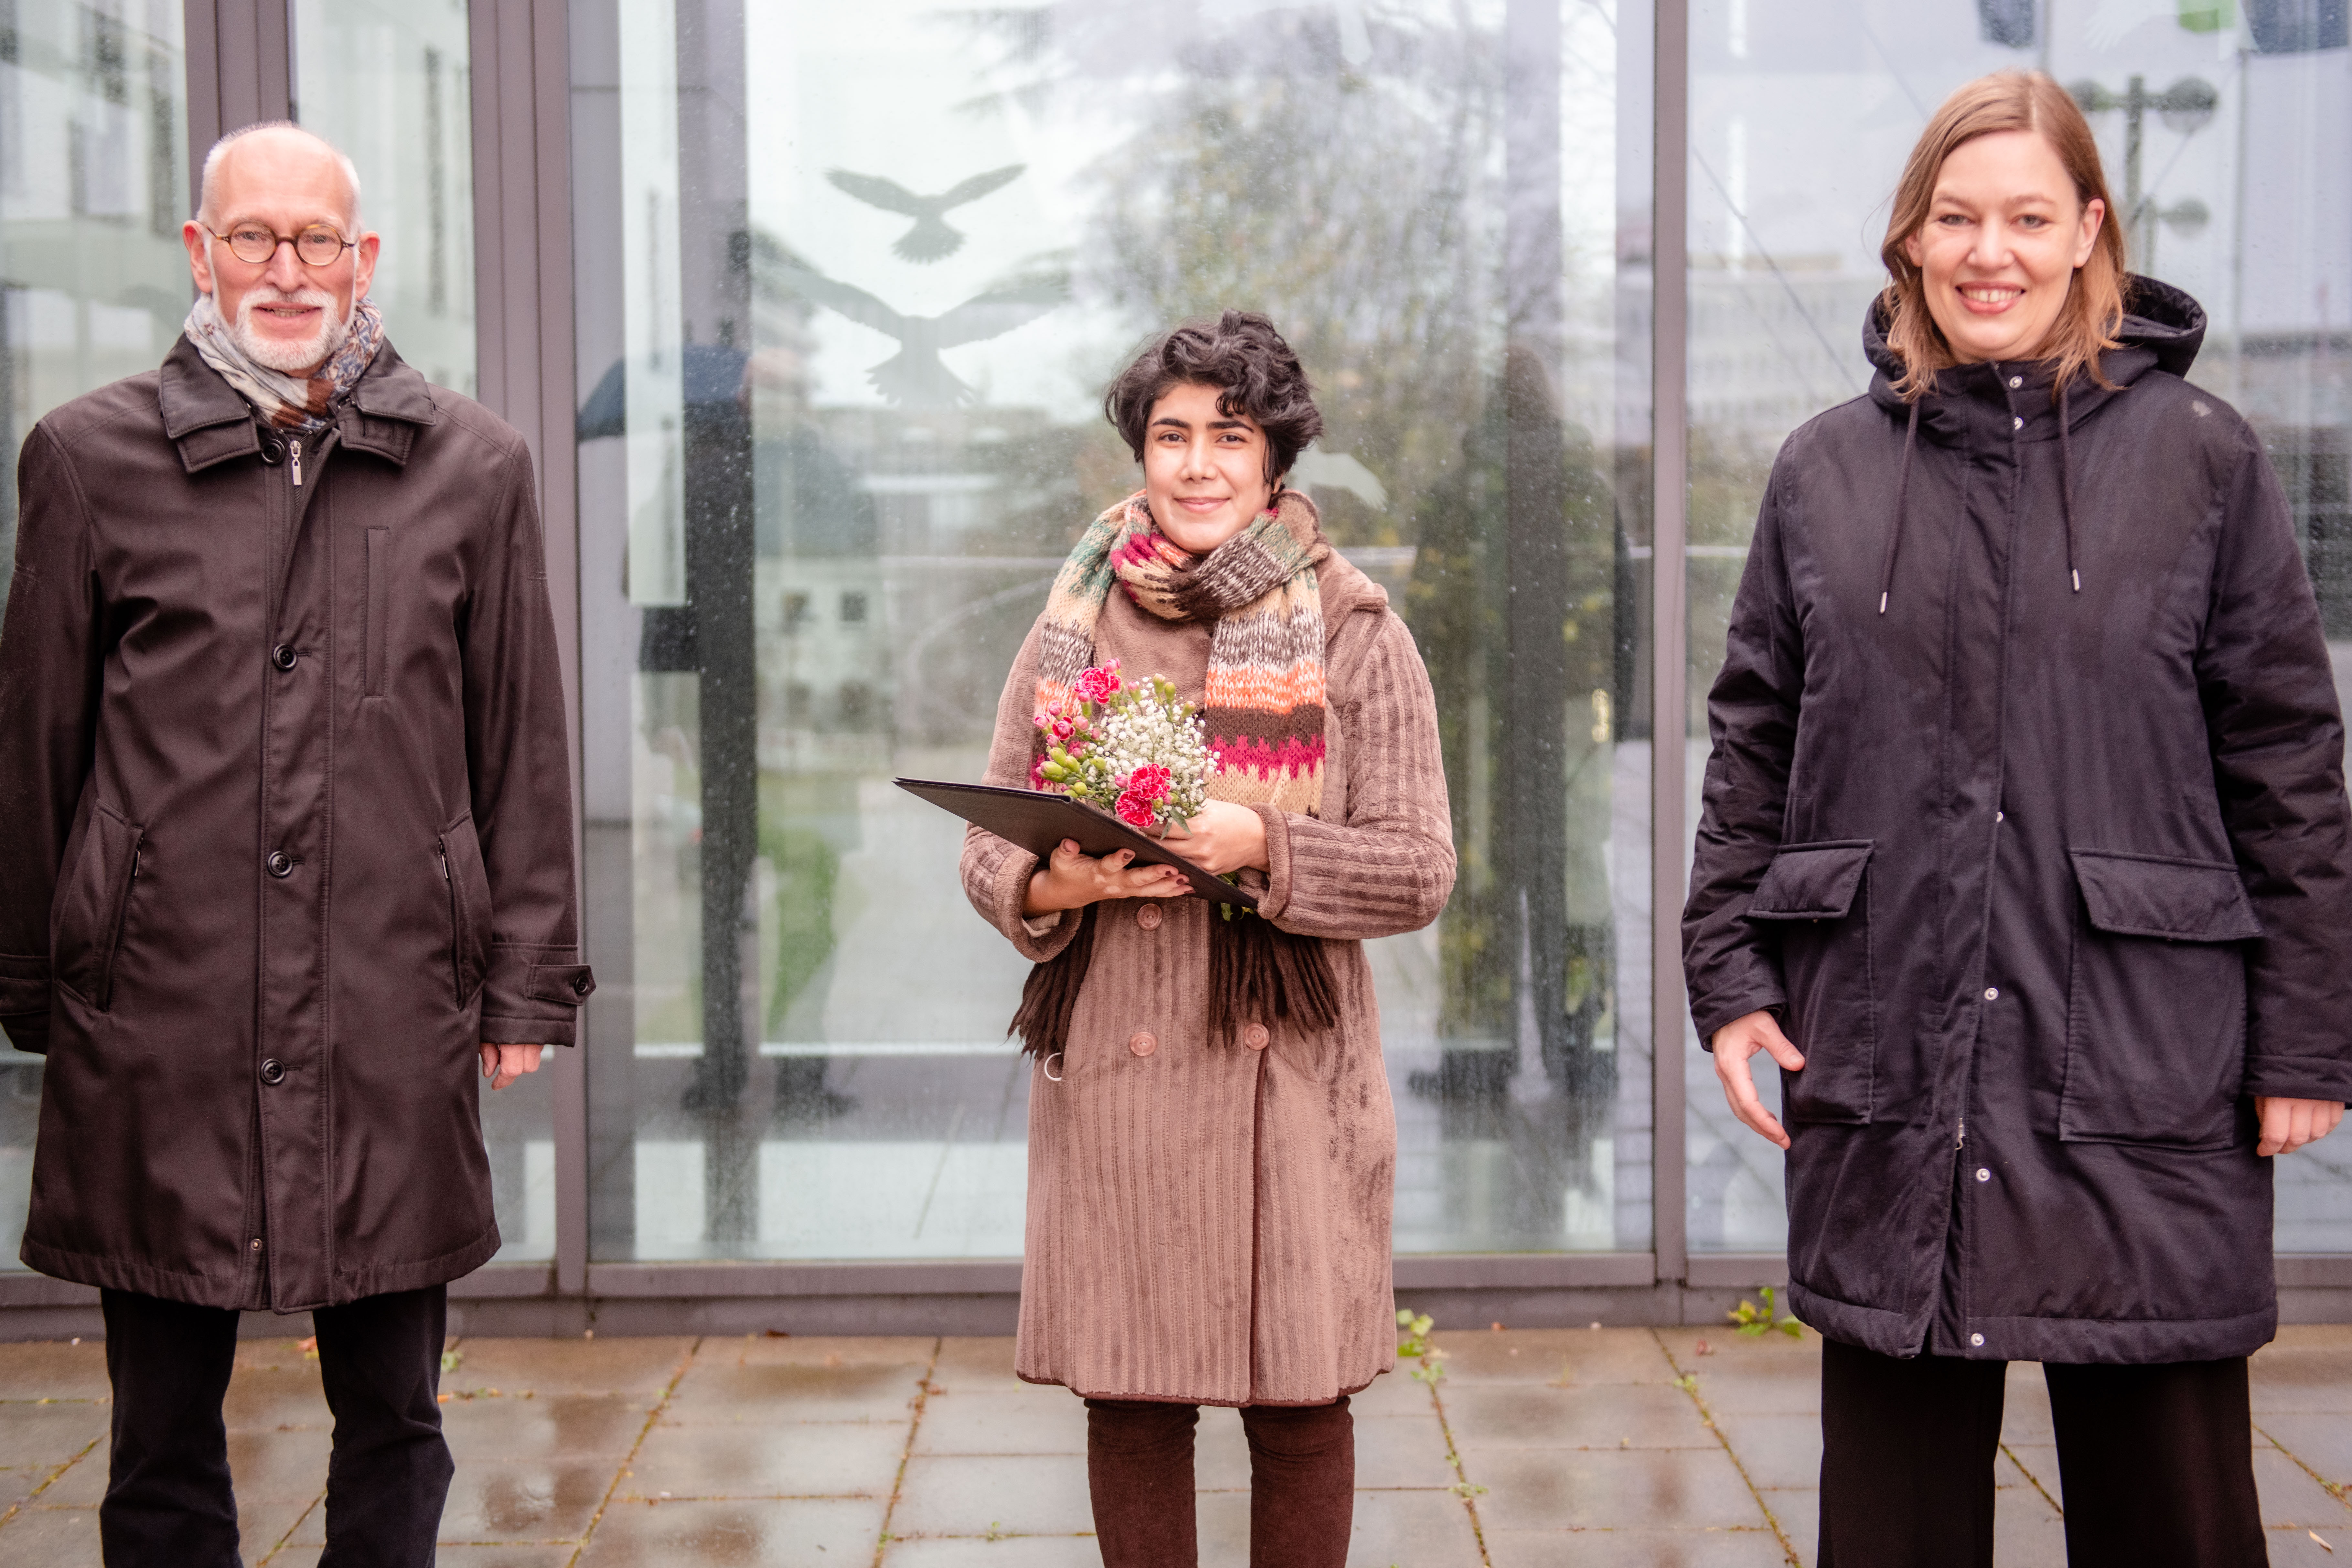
<point>1149,917</point>
<point>273,1071</point>
<point>284,657</point>
<point>280,863</point>
<point>1143,1042</point>
<point>1256,1037</point>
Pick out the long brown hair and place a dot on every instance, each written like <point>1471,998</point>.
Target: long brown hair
<point>2093,311</point>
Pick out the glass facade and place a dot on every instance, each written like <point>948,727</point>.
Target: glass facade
<point>2226,132</point>
<point>847,289</point>
<point>93,285</point>
<point>842,421</point>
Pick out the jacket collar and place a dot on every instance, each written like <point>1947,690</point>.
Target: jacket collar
<point>2162,329</point>
<point>204,416</point>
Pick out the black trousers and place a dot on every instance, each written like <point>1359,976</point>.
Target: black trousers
<point>1302,1483</point>
<point>2155,1463</point>
<point>168,1503</point>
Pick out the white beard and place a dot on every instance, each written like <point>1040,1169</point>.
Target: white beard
<point>276,354</point>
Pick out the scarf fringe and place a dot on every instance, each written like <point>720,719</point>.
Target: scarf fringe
<point>1254,968</point>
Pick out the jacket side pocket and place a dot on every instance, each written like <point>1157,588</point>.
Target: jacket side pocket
<point>470,908</point>
<point>375,634</point>
<point>86,922</point>
<point>1817,896</point>
<point>2156,1007</point>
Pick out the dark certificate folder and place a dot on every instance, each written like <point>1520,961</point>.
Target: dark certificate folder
<point>1038,822</point>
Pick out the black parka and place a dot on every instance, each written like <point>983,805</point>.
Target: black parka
<point>2047,883</point>
<point>285,833</point>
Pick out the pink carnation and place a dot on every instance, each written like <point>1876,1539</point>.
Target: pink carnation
<point>1098,684</point>
<point>1150,781</point>
<point>1136,810</point>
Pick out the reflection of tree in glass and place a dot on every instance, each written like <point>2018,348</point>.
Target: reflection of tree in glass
<point>1365,212</point>
<point>931,239</point>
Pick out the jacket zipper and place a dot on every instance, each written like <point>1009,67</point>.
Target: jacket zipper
<point>456,936</point>
<point>295,447</point>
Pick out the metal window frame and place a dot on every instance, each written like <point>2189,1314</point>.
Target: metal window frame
<point>240,68</point>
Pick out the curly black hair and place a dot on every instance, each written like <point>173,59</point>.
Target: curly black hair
<point>1242,356</point>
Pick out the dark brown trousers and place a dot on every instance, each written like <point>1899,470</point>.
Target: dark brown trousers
<point>1302,1483</point>
<point>2155,1463</point>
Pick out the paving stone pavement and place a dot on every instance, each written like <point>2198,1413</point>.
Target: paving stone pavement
<point>1678,1448</point>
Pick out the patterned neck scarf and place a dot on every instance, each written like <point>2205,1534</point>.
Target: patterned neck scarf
<point>1264,705</point>
<point>286,403</point>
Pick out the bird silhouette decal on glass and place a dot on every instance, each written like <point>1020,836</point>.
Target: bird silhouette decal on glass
<point>914,375</point>
<point>932,239</point>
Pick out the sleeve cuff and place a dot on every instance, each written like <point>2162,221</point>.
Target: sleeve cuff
<point>496,1031</point>
<point>1035,944</point>
<point>1716,1011</point>
<point>1276,897</point>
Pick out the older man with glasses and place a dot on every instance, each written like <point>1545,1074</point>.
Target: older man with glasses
<point>287,850</point>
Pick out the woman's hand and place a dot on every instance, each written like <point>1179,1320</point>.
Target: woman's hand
<point>1733,1044</point>
<point>1223,837</point>
<point>2289,1124</point>
<point>1072,879</point>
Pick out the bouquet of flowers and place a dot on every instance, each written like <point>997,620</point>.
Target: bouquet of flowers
<point>1129,748</point>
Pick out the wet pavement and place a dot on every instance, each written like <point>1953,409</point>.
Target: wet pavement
<point>1535,1447</point>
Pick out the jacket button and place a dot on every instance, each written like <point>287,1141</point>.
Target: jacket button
<point>1992,992</point>
<point>580,985</point>
<point>1143,1042</point>
<point>1983,1174</point>
<point>273,1071</point>
<point>256,1244</point>
<point>283,655</point>
<point>1256,1037</point>
<point>280,863</point>
<point>1149,917</point>
<point>1976,1339</point>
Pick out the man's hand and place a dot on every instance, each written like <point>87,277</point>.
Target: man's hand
<point>2289,1124</point>
<point>1733,1044</point>
<point>504,1064</point>
<point>1072,879</point>
<point>1223,837</point>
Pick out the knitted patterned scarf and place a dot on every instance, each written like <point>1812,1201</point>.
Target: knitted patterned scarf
<point>1263,711</point>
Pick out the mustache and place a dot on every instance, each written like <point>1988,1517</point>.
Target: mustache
<point>270,294</point>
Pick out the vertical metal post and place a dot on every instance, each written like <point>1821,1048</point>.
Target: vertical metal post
<point>522,316</point>
<point>1669,621</point>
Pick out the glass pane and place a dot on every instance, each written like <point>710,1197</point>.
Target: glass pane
<point>1803,113</point>
<point>843,357</point>
<point>93,285</point>
<point>391,86</point>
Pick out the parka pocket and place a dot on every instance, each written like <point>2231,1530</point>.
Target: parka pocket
<point>2156,1007</point>
<point>470,908</point>
<point>373,654</point>
<point>1817,897</point>
<point>92,900</point>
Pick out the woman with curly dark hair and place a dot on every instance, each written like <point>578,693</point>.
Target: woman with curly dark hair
<point>1212,1149</point>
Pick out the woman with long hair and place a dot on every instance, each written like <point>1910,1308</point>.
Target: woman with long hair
<point>2024,854</point>
<point>1212,1148</point>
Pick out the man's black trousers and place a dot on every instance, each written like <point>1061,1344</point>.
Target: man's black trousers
<point>167,1498</point>
<point>2155,1463</point>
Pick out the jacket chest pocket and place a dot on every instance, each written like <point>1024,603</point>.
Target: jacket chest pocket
<point>92,900</point>
<point>470,908</point>
<point>1817,896</point>
<point>2156,1007</point>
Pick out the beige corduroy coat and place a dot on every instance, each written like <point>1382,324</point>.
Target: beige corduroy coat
<point>1211,1223</point>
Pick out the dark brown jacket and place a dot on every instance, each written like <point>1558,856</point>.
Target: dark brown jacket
<point>287,833</point>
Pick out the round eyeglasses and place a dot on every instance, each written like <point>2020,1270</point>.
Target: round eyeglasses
<point>318,245</point>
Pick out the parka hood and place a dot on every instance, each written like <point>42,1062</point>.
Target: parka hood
<point>2162,329</point>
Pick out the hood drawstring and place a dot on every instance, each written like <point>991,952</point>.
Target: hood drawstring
<point>2066,485</point>
<point>1902,493</point>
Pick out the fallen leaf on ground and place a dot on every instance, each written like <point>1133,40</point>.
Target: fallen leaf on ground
<point>2321,1540</point>
<point>1706,1349</point>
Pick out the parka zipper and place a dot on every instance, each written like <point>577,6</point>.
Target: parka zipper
<point>295,448</point>
<point>457,928</point>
